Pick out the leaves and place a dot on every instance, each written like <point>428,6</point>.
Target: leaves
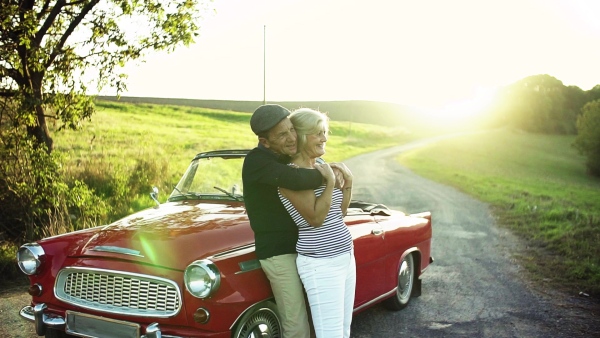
<point>60,49</point>
<point>588,138</point>
<point>52,53</point>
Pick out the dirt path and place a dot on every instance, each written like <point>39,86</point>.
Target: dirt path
<point>475,287</point>
<point>12,299</point>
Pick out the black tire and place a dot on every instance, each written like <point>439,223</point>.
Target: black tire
<point>51,333</point>
<point>406,281</point>
<point>260,321</point>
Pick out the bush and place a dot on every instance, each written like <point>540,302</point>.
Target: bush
<point>120,187</point>
<point>588,137</point>
<point>36,199</point>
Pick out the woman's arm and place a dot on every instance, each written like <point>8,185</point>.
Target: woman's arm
<point>312,208</point>
<point>346,186</point>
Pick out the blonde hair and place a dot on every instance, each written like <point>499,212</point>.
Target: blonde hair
<point>308,121</point>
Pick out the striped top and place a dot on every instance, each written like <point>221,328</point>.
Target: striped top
<point>330,239</point>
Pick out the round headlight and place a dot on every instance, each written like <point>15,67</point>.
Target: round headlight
<point>202,278</point>
<point>29,258</point>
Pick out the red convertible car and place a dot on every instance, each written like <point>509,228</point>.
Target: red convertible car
<point>187,267</point>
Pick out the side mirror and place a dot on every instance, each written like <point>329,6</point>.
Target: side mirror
<point>154,196</point>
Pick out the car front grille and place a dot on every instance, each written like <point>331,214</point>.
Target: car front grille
<point>118,292</point>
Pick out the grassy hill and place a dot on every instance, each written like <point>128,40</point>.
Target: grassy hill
<point>538,187</point>
<point>123,135</point>
<point>370,112</point>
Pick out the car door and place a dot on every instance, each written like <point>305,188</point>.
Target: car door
<point>369,251</point>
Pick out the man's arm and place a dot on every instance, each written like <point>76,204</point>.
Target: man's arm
<point>285,176</point>
<point>266,170</point>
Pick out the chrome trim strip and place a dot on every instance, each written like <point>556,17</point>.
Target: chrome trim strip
<point>116,249</point>
<point>375,300</point>
<point>238,251</point>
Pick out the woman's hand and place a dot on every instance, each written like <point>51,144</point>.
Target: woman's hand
<point>346,174</point>
<point>339,178</point>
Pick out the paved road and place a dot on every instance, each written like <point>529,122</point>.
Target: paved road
<point>474,288</point>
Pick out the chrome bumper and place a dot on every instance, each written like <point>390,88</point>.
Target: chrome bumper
<point>42,320</point>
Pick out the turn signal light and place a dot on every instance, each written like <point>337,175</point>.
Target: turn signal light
<point>35,290</point>
<point>201,316</point>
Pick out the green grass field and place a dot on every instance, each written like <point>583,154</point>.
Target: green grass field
<point>122,133</point>
<point>537,185</point>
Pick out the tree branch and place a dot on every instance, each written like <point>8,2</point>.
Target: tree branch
<point>75,3</point>
<point>49,21</point>
<point>76,21</point>
<point>13,74</point>
<point>43,10</point>
<point>8,93</point>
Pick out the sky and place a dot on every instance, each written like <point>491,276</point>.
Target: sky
<point>437,55</point>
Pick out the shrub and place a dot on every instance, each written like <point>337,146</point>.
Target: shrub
<point>120,186</point>
<point>588,137</point>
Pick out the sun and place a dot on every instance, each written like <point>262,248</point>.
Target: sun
<point>462,111</point>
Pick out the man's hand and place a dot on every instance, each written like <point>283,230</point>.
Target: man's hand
<point>327,172</point>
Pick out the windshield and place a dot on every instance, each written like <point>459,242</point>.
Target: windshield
<point>211,177</point>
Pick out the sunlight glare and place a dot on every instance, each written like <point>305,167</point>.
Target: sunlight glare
<point>462,111</point>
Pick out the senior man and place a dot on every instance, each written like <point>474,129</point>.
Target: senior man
<point>275,233</point>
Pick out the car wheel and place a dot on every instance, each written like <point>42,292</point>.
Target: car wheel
<point>260,321</point>
<point>406,280</point>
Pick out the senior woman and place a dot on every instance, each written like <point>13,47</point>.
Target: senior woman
<point>325,260</point>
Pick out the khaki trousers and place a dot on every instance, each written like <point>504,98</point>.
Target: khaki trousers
<point>289,294</point>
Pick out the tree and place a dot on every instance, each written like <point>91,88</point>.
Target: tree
<point>593,94</point>
<point>540,103</point>
<point>588,137</point>
<point>52,50</point>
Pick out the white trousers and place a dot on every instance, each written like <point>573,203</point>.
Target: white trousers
<point>329,285</point>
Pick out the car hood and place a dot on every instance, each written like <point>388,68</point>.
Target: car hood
<point>172,236</point>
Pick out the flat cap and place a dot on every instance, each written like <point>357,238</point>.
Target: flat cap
<point>266,117</point>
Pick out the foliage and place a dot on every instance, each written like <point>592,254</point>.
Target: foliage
<point>120,185</point>
<point>52,51</point>
<point>593,94</point>
<point>588,138</point>
<point>8,265</point>
<point>35,201</point>
<point>538,187</point>
<point>541,104</point>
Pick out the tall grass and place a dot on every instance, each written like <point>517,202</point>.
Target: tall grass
<point>132,147</point>
<point>538,187</point>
